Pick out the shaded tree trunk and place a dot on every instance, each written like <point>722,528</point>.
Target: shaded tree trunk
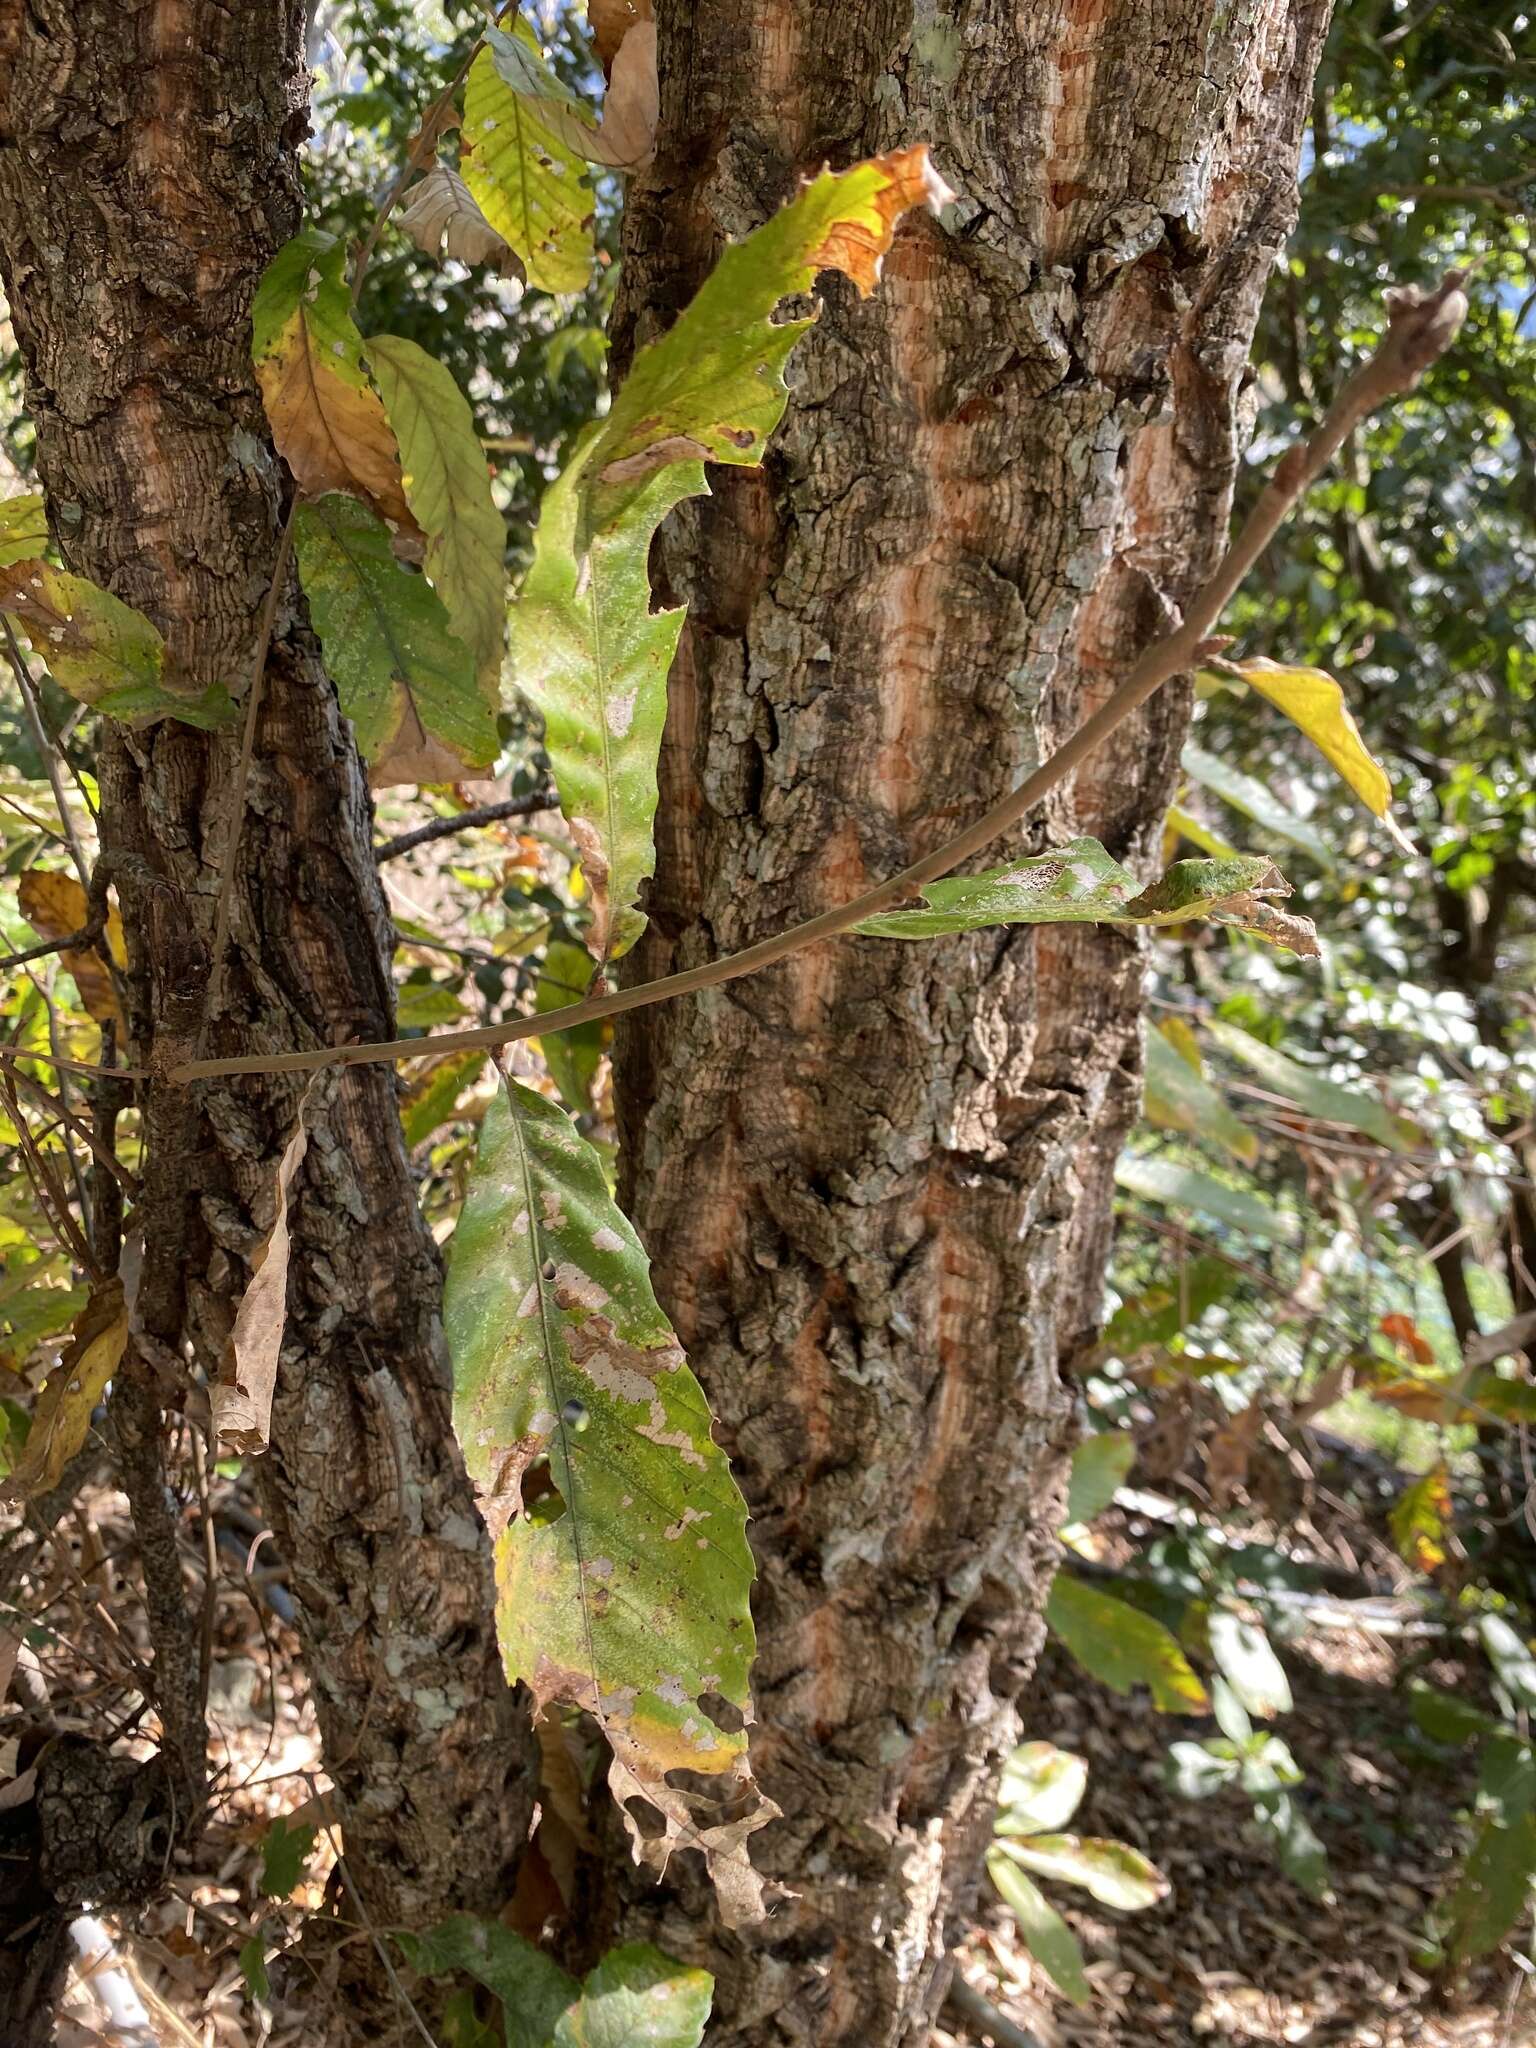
<point>147,175</point>
<point>876,1181</point>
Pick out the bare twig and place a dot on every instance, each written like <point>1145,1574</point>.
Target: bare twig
<point>981,2016</point>
<point>467,821</point>
<point>47,749</point>
<point>1420,328</point>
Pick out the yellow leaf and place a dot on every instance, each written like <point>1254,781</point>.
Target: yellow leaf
<point>1312,700</point>
<point>1421,1519</point>
<point>56,907</point>
<point>63,1413</point>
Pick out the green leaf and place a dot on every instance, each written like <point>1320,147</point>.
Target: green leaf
<point>1122,1647</point>
<point>100,649</point>
<point>1250,796</point>
<point>638,1998</point>
<point>590,653</point>
<point>448,488</point>
<point>535,1992</point>
<point>622,1565</point>
<point>1100,1466</point>
<point>1445,1718</point>
<point>284,1853</point>
<point>1179,1099</point>
<point>1296,1848</point>
<point>23,528</point>
<point>585,645</point>
<point>1248,1664</point>
<point>1041,1788</point>
<point>325,416</point>
<point>1313,701</point>
<point>430,1101</point>
<point>1231,1715</point>
<point>1113,1872</point>
<point>1494,1890</point>
<point>1080,883</point>
<point>1506,1777</point>
<point>1183,824</point>
<point>531,187</point>
<point>1196,1769</point>
<point>405,682</point>
<point>1046,1935</point>
<point>1330,1101</point>
<point>574,1055</point>
<point>253,1968</point>
<point>1165,1181</point>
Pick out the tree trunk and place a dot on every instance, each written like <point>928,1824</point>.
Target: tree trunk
<point>876,1181</point>
<point>147,175</point>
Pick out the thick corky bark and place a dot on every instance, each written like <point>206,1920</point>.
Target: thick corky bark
<point>876,1180</point>
<point>147,175</point>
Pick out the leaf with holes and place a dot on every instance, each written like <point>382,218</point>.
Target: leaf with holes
<point>100,649</point>
<point>622,1565</point>
<point>326,418</point>
<point>585,645</point>
<point>531,187</point>
<point>405,681</point>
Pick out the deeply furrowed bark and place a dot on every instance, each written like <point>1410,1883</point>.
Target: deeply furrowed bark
<point>876,1180</point>
<point>147,175</point>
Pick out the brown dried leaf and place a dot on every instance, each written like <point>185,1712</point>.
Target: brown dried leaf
<point>858,250</point>
<point>242,1397</point>
<point>56,907</point>
<point>611,22</point>
<point>440,213</point>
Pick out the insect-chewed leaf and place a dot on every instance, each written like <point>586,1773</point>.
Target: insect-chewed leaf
<point>407,684</point>
<point>584,643</point>
<point>325,415</point>
<point>100,649</point>
<point>530,185</point>
<point>625,137</point>
<point>56,907</point>
<point>448,488</point>
<point>1080,883</point>
<point>63,1413</point>
<point>23,528</point>
<point>622,1566</point>
<point>440,213</point>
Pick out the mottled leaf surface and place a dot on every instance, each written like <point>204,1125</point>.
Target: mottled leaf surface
<point>531,187</point>
<point>622,1566</point>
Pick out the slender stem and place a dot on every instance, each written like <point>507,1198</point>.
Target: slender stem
<point>49,752</point>
<point>1419,330</point>
<point>466,821</point>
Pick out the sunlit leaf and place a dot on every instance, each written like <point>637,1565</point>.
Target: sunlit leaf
<point>62,1416</point>
<point>1280,1820</point>
<point>430,1101</point>
<point>622,1565</point>
<point>440,213</point>
<point>1113,1872</point>
<point>23,528</point>
<point>100,649</point>
<point>1420,1519</point>
<point>1312,700</point>
<point>1180,823</point>
<point>1162,1313</point>
<point>1511,1658</point>
<point>407,684</point>
<point>1248,1664</point>
<point>1122,1647</point>
<point>531,187</point>
<point>1040,1789</point>
<point>326,418</point>
<point>1046,1935</point>
<point>573,1056</point>
<point>1247,794</point>
<point>638,1998</point>
<point>534,1991</point>
<point>448,488</point>
<point>625,136</point>
<point>1180,1099</point>
<point>584,644</point>
<point>1183,1187</point>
